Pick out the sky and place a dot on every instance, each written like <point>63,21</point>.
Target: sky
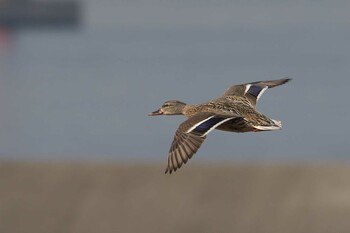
<point>85,93</point>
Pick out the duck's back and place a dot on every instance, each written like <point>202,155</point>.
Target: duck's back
<point>253,120</point>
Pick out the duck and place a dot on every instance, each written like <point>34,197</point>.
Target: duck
<point>233,111</point>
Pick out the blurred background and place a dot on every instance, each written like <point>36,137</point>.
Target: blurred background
<point>78,152</point>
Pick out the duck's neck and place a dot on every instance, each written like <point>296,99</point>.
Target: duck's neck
<point>191,109</point>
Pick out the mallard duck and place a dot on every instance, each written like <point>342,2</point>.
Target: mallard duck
<point>234,111</point>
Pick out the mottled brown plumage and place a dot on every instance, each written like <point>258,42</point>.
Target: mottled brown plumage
<point>234,111</point>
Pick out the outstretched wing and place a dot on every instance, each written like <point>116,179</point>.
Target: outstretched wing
<point>254,90</point>
<point>190,136</point>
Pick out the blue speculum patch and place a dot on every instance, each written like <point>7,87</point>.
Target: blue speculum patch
<point>208,124</point>
<point>255,90</point>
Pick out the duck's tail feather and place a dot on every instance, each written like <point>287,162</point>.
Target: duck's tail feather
<point>276,126</point>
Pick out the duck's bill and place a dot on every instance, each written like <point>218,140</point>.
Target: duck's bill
<point>155,113</point>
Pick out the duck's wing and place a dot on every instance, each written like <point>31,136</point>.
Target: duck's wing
<point>190,136</point>
<point>254,90</point>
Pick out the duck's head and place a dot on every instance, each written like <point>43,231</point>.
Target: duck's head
<point>170,107</point>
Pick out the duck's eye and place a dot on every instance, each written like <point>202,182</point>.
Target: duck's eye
<point>166,105</point>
